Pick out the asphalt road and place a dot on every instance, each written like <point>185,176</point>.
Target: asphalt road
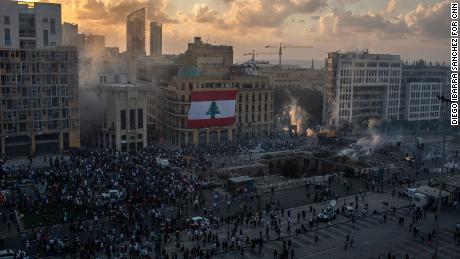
<point>372,239</point>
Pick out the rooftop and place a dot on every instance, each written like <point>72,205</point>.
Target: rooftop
<point>188,71</point>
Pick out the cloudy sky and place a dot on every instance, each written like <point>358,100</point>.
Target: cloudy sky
<point>412,28</point>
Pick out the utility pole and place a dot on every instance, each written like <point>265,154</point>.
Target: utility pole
<point>443,161</point>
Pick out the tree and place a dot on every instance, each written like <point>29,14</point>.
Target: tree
<point>213,110</point>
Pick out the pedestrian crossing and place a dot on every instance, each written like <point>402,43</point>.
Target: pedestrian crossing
<point>336,234</point>
<point>448,249</point>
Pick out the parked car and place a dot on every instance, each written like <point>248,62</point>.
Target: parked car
<point>327,214</point>
<point>198,222</point>
<point>349,211</point>
<point>12,254</point>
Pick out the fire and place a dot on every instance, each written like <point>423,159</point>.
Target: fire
<point>310,132</point>
<point>296,115</point>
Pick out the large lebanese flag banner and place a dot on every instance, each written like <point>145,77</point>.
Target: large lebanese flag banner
<point>212,109</point>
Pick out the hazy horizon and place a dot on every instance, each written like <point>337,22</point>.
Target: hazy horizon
<point>413,29</point>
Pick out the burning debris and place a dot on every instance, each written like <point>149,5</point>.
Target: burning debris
<point>310,132</point>
<point>368,144</point>
<point>296,114</point>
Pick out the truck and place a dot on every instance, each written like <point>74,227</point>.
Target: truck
<point>420,200</point>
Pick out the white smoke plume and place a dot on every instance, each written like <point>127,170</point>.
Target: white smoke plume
<point>297,115</point>
<point>370,142</point>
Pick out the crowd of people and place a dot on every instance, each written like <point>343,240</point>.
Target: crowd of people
<point>91,202</point>
<point>105,203</point>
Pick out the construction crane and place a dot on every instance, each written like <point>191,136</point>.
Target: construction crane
<point>285,46</point>
<point>254,53</point>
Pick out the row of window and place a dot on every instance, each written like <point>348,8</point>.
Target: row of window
<point>48,114</point>
<point>39,126</point>
<point>132,119</point>
<point>424,115</point>
<point>125,138</point>
<point>370,73</point>
<point>344,113</point>
<point>46,79</point>
<point>255,96</point>
<point>393,110</point>
<point>425,87</point>
<point>369,64</point>
<point>424,95</point>
<point>424,101</point>
<point>37,91</point>
<point>38,57</point>
<point>29,67</point>
<point>253,108</point>
<point>424,108</point>
<point>245,85</point>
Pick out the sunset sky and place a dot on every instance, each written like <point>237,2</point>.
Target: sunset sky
<point>412,28</point>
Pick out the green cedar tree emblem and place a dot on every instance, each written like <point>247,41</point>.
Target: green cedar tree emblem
<point>213,110</point>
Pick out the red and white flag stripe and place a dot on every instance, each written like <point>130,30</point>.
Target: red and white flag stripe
<point>212,109</point>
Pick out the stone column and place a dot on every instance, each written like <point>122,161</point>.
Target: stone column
<point>2,144</point>
<point>230,135</point>
<point>32,144</point>
<point>195,137</point>
<point>61,142</point>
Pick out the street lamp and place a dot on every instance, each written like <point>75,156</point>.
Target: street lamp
<point>443,160</point>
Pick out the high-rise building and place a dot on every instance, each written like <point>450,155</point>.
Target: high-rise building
<point>39,109</point>
<point>135,33</point>
<point>156,39</point>
<point>361,86</point>
<point>30,25</point>
<point>420,86</point>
